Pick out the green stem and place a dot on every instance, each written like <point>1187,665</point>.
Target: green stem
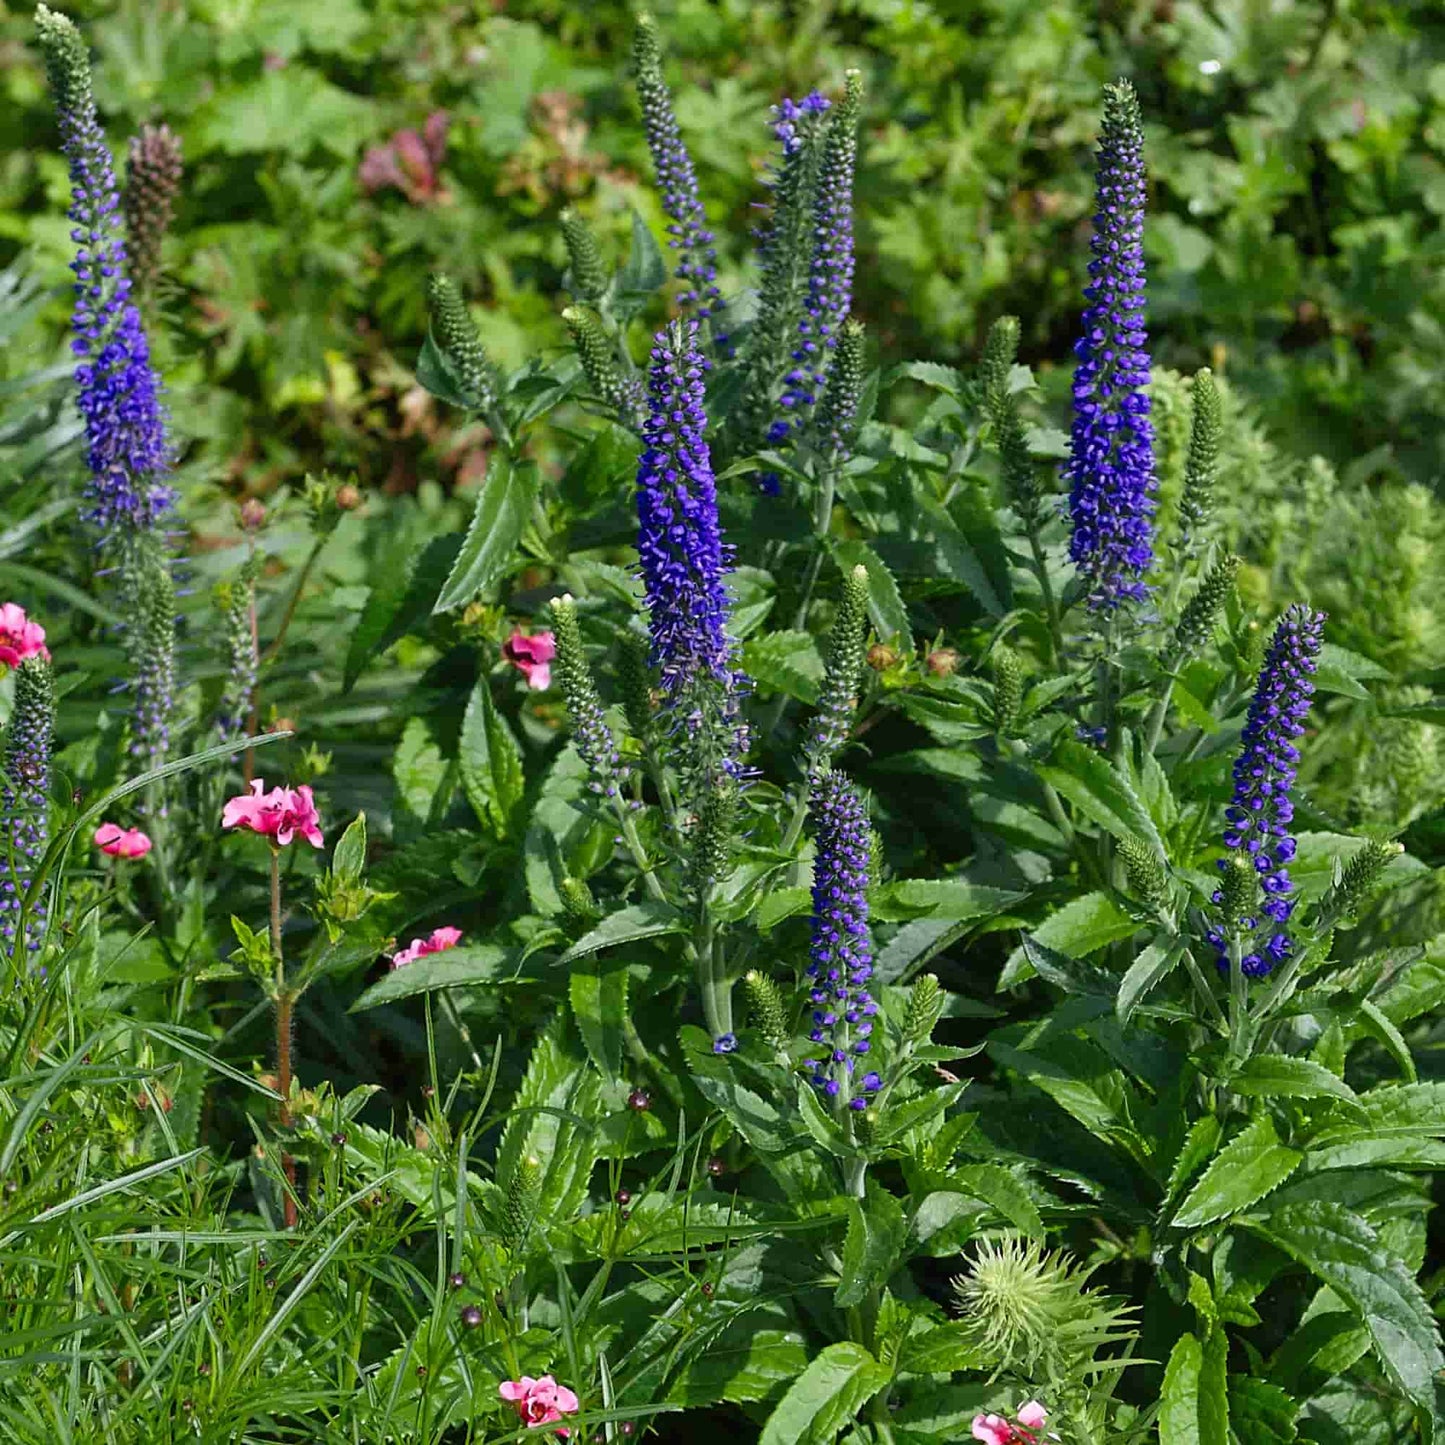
<point>284,1004</point>
<point>1155,725</point>
<point>459,1024</point>
<point>1046,588</point>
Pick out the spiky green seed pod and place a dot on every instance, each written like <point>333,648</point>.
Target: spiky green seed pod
<point>577,900</point>
<point>999,351</point>
<point>766,1009</point>
<point>1148,881</point>
<point>519,1212</point>
<point>588,279</point>
<point>1008,689</point>
<point>1359,878</point>
<point>634,677</point>
<point>1016,463</point>
<point>712,840</point>
<point>925,1008</point>
<point>1240,889</point>
<point>1196,623</point>
<point>456,334</point>
<point>842,674</point>
<point>591,734</point>
<point>1201,463</point>
<point>835,424</point>
<point>624,394</point>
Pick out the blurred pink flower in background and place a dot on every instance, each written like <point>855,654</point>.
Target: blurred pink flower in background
<point>121,842</point>
<point>441,939</point>
<point>532,657</point>
<point>410,162</point>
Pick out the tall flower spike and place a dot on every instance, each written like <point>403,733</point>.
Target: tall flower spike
<point>150,640</point>
<point>842,671</point>
<point>1111,466</point>
<point>1258,819</point>
<point>590,733</point>
<point>152,179</point>
<point>676,179</point>
<point>830,272</point>
<point>835,423</point>
<point>587,277</point>
<point>624,394</point>
<point>25,800</point>
<point>685,565</point>
<point>1016,463</point>
<point>840,958</point>
<point>243,663</point>
<point>785,250</point>
<point>1201,462</point>
<point>118,392</point>
<point>456,335</point>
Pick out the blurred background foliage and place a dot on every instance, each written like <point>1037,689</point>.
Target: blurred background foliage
<point>338,149</point>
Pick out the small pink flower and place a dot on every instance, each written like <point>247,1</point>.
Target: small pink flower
<point>441,939</point>
<point>280,814</point>
<point>532,657</point>
<point>539,1402</point>
<point>993,1430</point>
<point>121,842</point>
<point>1033,1415</point>
<point>19,636</point>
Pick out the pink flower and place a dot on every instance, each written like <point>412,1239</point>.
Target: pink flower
<point>121,842</point>
<point>1033,1415</point>
<point>19,636</point>
<point>532,657</point>
<point>441,939</point>
<point>280,814</point>
<point>409,162</point>
<point>995,1430</point>
<point>539,1402</point>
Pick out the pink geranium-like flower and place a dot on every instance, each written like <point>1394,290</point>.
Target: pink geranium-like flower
<point>280,814</point>
<point>19,636</point>
<point>441,939</point>
<point>121,842</point>
<point>532,657</point>
<point>539,1402</point>
<point>995,1430</point>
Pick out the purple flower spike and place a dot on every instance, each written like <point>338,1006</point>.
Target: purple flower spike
<point>676,179</point>
<point>841,954</point>
<point>1111,469</point>
<point>685,563</point>
<point>118,390</point>
<point>1258,819</point>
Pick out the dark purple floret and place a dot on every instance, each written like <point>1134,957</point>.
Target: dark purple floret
<point>688,234</point>
<point>25,800</point>
<point>685,563</point>
<point>1111,468</point>
<point>841,953</point>
<point>118,392</point>
<point>1257,821</point>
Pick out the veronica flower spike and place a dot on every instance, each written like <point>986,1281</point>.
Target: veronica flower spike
<point>841,954</point>
<point>1258,819</point>
<point>685,565</point>
<point>1110,470</point>
<point>118,392</point>
<point>25,801</point>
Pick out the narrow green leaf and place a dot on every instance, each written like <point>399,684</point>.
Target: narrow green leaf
<point>599,1004</point>
<point>455,968</point>
<point>491,763</point>
<point>1102,794</point>
<point>1286,1076</point>
<point>650,919</point>
<point>1003,1193</point>
<point>827,1396</point>
<point>1341,1249</point>
<point>1250,1166</point>
<point>1151,967</point>
<point>348,860</point>
<point>877,1230</point>
<point>1179,1399</point>
<point>504,508</point>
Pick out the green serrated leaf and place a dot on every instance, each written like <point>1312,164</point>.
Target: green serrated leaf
<point>504,508</point>
<point>877,1231</point>
<point>1286,1076</point>
<point>649,919</point>
<point>468,963</point>
<point>827,1396</point>
<point>885,604</point>
<point>599,1004</point>
<point>1253,1164</point>
<point>491,763</point>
